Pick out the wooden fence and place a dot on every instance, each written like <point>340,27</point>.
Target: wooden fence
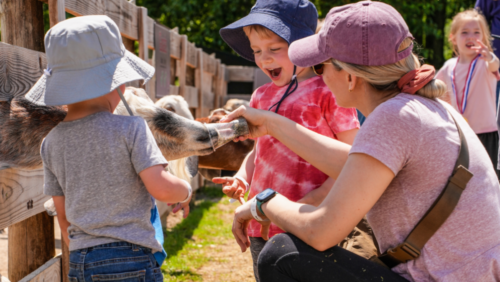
<point>181,69</point>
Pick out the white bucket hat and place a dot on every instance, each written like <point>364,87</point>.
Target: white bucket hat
<point>86,59</point>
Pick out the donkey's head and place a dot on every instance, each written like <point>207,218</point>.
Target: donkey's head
<point>176,136</point>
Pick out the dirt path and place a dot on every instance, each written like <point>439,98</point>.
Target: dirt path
<point>226,262</point>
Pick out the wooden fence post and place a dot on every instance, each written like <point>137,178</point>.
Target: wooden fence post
<point>198,83</point>
<point>143,41</point>
<point>31,241</point>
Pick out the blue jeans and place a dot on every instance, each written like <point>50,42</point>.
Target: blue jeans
<point>121,261</point>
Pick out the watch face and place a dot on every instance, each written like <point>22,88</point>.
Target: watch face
<point>265,195</point>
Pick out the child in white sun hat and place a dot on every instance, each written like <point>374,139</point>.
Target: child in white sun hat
<point>103,170</point>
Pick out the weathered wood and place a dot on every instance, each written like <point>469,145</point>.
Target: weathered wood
<point>31,241</point>
<point>175,45</point>
<point>190,76</point>
<point>217,85</point>
<point>191,96</point>
<point>208,101</point>
<point>209,64</point>
<point>192,55</point>
<point>174,90</point>
<point>241,73</point>
<point>143,43</point>
<point>31,244</point>
<point>64,261</point>
<point>21,195</point>
<point>162,60</point>
<point>129,44</point>
<point>57,12</point>
<point>125,15</point>
<point>151,30</point>
<point>20,68</point>
<point>86,7</point>
<point>199,79</point>
<point>21,23</point>
<point>50,271</point>
<point>181,69</point>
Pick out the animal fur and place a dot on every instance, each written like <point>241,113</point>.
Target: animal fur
<point>180,167</point>
<point>23,125</point>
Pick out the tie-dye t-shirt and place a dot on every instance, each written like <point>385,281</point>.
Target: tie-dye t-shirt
<point>313,106</point>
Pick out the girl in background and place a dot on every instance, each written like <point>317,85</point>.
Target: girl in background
<point>471,77</point>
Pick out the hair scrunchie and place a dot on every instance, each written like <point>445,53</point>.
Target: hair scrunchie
<point>416,79</point>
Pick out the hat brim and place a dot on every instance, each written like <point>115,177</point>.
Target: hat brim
<point>306,52</point>
<point>236,38</point>
<point>69,87</point>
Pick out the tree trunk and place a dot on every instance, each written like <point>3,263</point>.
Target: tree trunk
<point>31,242</point>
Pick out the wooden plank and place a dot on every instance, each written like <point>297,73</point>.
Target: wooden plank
<point>65,261</point>
<point>125,15</point>
<point>208,100</point>
<point>209,64</point>
<point>181,70</point>
<point>175,45</point>
<point>199,79</point>
<point>192,55</point>
<point>162,60</point>
<point>86,7</point>
<point>151,29</point>
<point>143,44</point>
<point>50,271</point>
<point>21,195</point>
<point>241,73</point>
<point>174,90</point>
<point>56,12</point>
<point>20,68</point>
<point>191,96</point>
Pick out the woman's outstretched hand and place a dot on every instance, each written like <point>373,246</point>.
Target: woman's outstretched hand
<point>242,217</point>
<point>257,121</point>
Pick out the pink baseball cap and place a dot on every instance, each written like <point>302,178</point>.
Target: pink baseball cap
<point>364,33</point>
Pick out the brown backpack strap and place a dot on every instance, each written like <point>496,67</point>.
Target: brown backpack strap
<point>437,214</point>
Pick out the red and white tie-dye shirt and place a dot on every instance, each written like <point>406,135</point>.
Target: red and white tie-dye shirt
<point>313,106</point>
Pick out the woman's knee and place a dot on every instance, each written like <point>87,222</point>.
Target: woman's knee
<point>278,246</point>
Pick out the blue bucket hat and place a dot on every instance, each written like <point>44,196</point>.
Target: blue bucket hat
<point>289,19</point>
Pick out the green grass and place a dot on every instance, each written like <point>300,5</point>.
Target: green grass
<point>188,241</point>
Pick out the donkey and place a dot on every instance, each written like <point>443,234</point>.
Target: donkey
<point>23,125</point>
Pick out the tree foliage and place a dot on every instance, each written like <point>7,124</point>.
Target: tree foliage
<point>202,19</point>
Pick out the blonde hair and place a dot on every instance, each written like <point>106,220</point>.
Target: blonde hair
<point>471,14</point>
<point>385,78</point>
<point>261,30</point>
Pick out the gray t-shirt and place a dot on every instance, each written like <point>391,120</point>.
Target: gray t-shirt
<point>94,162</point>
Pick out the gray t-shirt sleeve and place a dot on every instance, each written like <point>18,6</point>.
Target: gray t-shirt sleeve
<point>144,151</point>
<point>51,186</point>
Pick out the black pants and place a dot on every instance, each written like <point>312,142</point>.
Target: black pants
<point>256,246</point>
<point>287,258</point>
<point>490,143</point>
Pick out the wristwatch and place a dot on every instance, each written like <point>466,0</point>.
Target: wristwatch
<point>263,197</point>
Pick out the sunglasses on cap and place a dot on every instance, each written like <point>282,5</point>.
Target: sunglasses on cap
<point>318,69</point>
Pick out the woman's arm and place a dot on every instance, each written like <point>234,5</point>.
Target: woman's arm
<point>322,152</point>
<point>356,190</point>
<point>316,196</point>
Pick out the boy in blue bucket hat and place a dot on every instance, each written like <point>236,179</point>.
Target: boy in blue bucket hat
<point>296,93</point>
<point>103,170</point>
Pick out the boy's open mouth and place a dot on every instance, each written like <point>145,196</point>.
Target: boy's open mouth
<point>274,73</point>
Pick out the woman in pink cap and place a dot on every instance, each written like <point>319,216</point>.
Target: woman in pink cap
<point>400,163</point>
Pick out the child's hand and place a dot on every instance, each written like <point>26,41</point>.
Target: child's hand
<point>233,187</point>
<point>184,206</point>
<point>483,51</point>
